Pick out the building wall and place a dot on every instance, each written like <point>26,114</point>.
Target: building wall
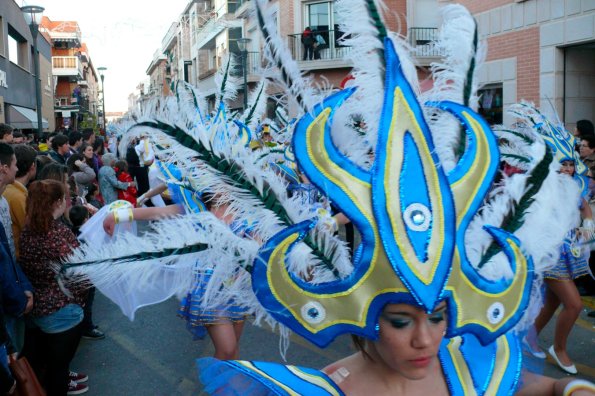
<point>47,85</point>
<point>18,86</point>
<point>533,36</point>
<point>477,6</point>
<point>579,84</point>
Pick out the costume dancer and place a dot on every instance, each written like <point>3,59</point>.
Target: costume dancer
<point>573,260</point>
<point>445,274</point>
<point>225,323</point>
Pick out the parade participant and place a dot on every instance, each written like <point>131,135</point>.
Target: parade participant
<point>225,323</point>
<point>561,289</point>
<point>573,261</point>
<point>420,327</point>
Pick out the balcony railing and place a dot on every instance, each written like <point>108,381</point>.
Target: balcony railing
<point>242,8</point>
<point>211,24</point>
<point>69,66</point>
<point>170,35</point>
<point>330,49</point>
<point>253,64</point>
<point>422,41</point>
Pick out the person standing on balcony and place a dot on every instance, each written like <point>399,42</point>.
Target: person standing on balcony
<point>319,44</point>
<point>308,42</point>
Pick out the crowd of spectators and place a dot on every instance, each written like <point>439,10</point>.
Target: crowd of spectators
<point>48,189</point>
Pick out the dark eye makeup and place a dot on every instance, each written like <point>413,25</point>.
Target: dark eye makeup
<point>402,320</point>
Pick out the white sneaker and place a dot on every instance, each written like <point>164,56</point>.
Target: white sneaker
<point>74,388</point>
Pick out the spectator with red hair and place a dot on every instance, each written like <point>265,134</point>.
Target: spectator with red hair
<point>45,241</point>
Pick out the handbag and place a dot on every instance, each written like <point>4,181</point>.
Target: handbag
<point>27,382</point>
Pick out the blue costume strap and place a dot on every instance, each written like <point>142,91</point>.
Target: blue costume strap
<point>249,378</point>
<point>472,368</point>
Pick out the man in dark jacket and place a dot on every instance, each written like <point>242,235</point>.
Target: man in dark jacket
<point>7,382</point>
<point>308,42</point>
<point>60,149</point>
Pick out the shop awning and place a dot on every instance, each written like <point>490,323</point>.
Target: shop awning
<point>23,118</point>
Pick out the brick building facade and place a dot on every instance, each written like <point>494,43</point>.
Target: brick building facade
<point>541,51</point>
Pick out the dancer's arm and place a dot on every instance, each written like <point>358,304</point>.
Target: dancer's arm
<point>160,189</point>
<point>110,221</point>
<point>534,384</point>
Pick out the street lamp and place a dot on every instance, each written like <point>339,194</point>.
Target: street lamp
<point>32,16</point>
<point>102,75</point>
<point>243,46</point>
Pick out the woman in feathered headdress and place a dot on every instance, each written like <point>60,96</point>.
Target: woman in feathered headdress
<point>573,261</point>
<point>445,275</point>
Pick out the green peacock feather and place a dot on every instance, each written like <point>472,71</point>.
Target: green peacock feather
<point>254,105</point>
<point>515,217</point>
<point>467,91</point>
<point>225,77</point>
<point>195,248</point>
<point>232,171</point>
<point>521,136</point>
<point>285,75</point>
<point>519,158</point>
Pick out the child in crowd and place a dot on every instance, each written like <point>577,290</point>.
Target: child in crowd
<point>78,216</point>
<point>93,196</point>
<point>130,194</point>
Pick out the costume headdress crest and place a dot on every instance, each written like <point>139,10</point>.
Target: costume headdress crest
<point>561,142</point>
<point>412,217</point>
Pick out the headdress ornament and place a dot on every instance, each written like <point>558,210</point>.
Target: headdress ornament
<point>559,140</point>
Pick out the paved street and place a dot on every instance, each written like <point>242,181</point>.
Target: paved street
<point>154,355</point>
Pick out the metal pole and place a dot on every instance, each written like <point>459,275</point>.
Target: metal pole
<point>245,64</point>
<point>103,101</point>
<point>34,30</point>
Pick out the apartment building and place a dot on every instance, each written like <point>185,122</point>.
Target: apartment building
<point>17,76</point>
<point>208,30</point>
<point>215,30</point>
<point>75,80</point>
<point>416,19</point>
<point>158,84</point>
<point>538,50</point>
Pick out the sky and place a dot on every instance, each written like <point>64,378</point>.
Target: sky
<point>121,35</point>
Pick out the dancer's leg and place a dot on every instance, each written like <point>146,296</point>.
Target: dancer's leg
<point>238,327</point>
<point>568,295</point>
<point>552,302</point>
<point>224,339</point>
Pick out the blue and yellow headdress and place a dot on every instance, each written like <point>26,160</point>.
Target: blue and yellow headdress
<point>559,140</point>
<point>413,217</point>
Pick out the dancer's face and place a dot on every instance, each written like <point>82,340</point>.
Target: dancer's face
<point>409,340</point>
<point>567,167</point>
